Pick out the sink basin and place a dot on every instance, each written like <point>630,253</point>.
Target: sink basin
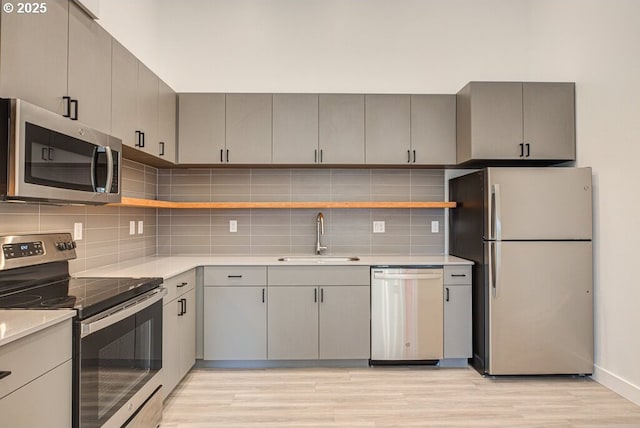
<point>318,259</point>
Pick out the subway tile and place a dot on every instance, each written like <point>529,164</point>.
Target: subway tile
<point>244,250</point>
<point>18,208</point>
<point>230,240</point>
<point>190,240</point>
<point>181,250</point>
<point>19,223</point>
<point>268,250</point>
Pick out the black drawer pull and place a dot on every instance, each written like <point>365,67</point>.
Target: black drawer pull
<point>4,374</point>
<point>234,276</point>
<point>458,274</point>
<point>447,298</point>
<point>182,284</point>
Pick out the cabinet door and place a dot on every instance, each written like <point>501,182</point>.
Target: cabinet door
<point>341,129</point>
<point>170,347</point>
<point>295,129</point>
<point>433,129</point>
<point>147,108</point>
<point>167,122</point>
<point>235,323</point>
<point>124,83</point>
<point>33,62</point>
<point>293,323</point>
<point>248,123</point>
<point>388,129</point>
<point>457,321</point>
<point>549,120</point>
<point>45,402</point>
<point>201,134</point>
<point>344,322</point>
<point>187,333</point>
<point>489,121</point>
<point>89,69</point>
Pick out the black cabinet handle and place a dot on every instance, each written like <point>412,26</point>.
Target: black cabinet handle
<point>528,150</point>
<point>234,276</point>
<point>180,303</point>
<point>315,156</point>
<point>521,150</point>
<point>184,302</point>
<point>75,109</point>
<point>321,295</point>
<point>414,156</point>
<point>408,156</point>
<point>50,153</point>
<point>321,155</point>
<point>161,148</point>
<point>142,133</point>
<point>182,284</point>
<point>458,275</point>
<point>4,374</point>
<point>263,295</point>
<point>221,155</point>
<point>447,295</point>
<point>44,153</point>
<point>139,138</point>
<point>227,155</point>
<point>68,106</point>
<point>315,295</point>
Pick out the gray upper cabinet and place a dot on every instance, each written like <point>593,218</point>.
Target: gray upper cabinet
<point>388,129</point>
<point>514,121</point>
<point>201,128</point>
<point>167,122</point>
<point>248,128</point>
<point>341,129</point>
<point>33,56</point>
<point>124,80</point>
<point>433,130</point>
<point>295,129</point>
<point>147,110</point>
<point>89,70</point>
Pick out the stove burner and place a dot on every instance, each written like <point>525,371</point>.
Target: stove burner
<point>62,301</point>
<point>19,300</point>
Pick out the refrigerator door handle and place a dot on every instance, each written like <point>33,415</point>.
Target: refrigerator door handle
<point>497,261</point>
<point>496,218</point>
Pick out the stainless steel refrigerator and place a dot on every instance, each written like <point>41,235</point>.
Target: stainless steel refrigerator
<point>529,232</point>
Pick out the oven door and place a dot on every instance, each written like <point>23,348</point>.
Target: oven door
<point>119,357</point>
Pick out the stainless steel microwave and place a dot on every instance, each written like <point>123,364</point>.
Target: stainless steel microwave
<point>47,157</point>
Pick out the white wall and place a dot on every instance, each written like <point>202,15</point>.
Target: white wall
<point>435,46</point>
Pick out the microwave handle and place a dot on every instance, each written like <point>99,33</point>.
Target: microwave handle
<point>94,161</point>
<point>109,180</point>
<point>109,169</point>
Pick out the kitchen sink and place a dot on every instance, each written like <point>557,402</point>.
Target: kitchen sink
<point>318,259</point>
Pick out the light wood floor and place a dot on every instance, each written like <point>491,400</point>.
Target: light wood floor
<point>385,397</point>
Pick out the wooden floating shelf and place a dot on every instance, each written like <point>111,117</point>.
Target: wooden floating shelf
<point>149,203</point>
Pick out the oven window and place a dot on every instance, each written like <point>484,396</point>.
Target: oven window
<point>116,362</point>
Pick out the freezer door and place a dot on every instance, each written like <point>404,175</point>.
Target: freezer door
<point>540,308</point>
<point>539,203</point>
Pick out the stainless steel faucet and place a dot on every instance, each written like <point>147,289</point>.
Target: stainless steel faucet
<point>319,231</point>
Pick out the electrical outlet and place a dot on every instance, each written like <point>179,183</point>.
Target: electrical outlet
<point>132,227</point>
<point>378,227</point>
<point>435,226</point>
<point>140,227</point>
<point>77,231</point>
<point>233,226</point>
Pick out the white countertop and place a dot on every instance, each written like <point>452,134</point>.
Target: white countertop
<point>170,266</point>
<point>18,323</point>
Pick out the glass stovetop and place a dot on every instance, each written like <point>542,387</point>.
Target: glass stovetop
<point>89,296</point>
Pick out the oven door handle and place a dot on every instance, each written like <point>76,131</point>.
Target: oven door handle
<point>100,321</point>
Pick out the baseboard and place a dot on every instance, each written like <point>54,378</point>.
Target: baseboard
<point>618,385</point>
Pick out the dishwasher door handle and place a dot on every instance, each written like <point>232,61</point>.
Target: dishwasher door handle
<point>377,275</point>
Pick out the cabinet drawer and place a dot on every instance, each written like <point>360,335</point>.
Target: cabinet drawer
<point>319,275</point>
<point>179,285</point>
<point>33,355</point>
<point>235,275</point>
<point>457,275</point>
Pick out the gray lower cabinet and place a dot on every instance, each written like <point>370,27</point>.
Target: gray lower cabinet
<point>248,128</point>
<point>508,121</point>
<point>201,130</point>
<point>457,312</point>
<point>295,129</point>
<point>40,379</point>
<point>89,73</point>
<point>341,129</point>
<point>33,55</point>
<point>178,330</point>
<point>235,323</point>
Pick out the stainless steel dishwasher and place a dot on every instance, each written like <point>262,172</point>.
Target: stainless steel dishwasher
<point>406,314</point>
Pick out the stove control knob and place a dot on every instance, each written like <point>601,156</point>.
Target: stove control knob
<point>61,246</point>
<point>73,244</point>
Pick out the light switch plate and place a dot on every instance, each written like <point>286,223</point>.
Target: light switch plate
<point>77,231</point>
<point>378,227</point>
<point>435,226</point>
<point>140,227</point>
<point>132,227</point>
<point>233,226</point>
